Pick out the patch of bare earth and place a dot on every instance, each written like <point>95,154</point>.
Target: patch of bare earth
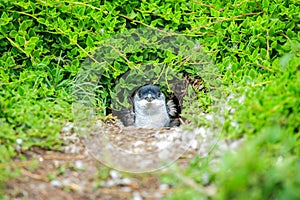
<point>74,174</point>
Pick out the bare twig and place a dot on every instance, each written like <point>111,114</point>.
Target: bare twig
<point>181,121</point>
<point>284,35</point>
<point>32,175</point>
<point>17,46</point>
<point>139,22</point>
<point>87,5</point>
<point>188,56</point>
<point>157,29</point>
<point>227,19</point>
<point>67,158</point>
<point>255,85</point>
<point>266,68</point>
<point>91,57</point>
<point>203,4</point>
<point>121,54</point>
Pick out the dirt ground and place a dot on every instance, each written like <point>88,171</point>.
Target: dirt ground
<point>73,173</point>
<point>76,176</point>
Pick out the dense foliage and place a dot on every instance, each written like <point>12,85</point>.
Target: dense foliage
<point>254,44</point>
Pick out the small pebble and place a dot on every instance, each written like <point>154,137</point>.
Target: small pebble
<point>109,183</point>
<point>19,141</point>
<point>194,144</point>
<point>138,143</point>
<point>164,186</point>
<point>79,164</point>
<point>137,196</point>
<point>114,174</point>
<point>205,178</point>
<point>67,128</point>
<point>56,183</point>
<point>209,117</point>
<point>126,181</point>
<point>126,189</point>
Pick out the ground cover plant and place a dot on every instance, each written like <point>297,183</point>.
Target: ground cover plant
<point>255,46</point>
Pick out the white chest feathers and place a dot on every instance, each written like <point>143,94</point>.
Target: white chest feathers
<point>150,108</point>
<point>151,114</point>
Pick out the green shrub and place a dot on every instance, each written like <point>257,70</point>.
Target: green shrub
<point>254,44</point>
<point>265,168</point>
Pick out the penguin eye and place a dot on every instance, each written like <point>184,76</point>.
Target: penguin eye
<point>140,94</point>
<point>158,94</point>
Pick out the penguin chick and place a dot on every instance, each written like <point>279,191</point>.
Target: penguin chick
<point>151,109</point>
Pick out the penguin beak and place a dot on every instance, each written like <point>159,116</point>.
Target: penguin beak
<point>149,98</point>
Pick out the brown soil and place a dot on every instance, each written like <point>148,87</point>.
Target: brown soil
<point>74,174</point>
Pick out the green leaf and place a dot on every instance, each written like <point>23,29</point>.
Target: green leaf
<point>89,41</point>
<point>20,40</point>
<point>5,19</point>
<point>25,24</point>
<point>265,3</point>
